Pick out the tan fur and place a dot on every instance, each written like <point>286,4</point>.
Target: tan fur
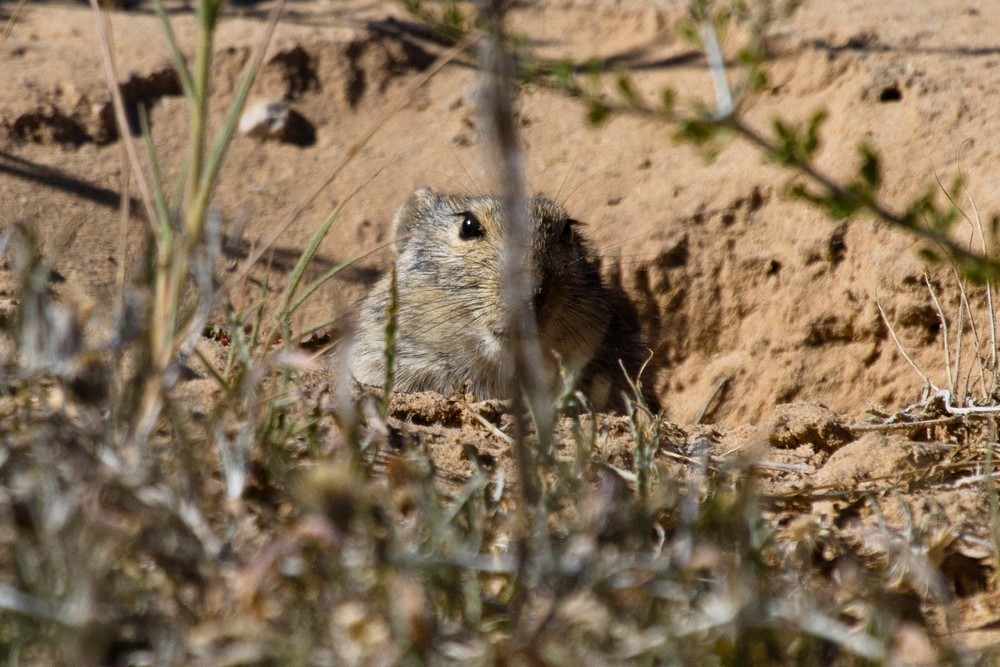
<point>450,314</point>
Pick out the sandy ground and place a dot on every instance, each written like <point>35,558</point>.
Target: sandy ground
<point>737,282</point>
<point>741,287</point>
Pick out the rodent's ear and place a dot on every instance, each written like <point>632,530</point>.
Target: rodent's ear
<point>420,203</point>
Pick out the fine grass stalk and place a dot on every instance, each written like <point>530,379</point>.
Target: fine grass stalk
<point>208,12</point>
<point>951,372</point>
<point>286,308</point>
<point>391,329</point>
<point>176,56</point>
<point>170,323</point>
<point>992,494</point>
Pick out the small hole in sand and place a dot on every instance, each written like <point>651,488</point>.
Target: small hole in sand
<point>890,94</point>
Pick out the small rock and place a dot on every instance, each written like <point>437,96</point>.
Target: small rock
<point>275,120</point>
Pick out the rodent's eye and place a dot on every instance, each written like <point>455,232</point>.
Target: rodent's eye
<point>471,227</point>
<point>568,234</point>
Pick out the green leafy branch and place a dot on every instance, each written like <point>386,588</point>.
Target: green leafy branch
<point>696,123</point>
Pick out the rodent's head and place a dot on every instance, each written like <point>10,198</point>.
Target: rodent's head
<point>452,257</point>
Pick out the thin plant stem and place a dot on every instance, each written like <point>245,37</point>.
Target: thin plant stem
<point>990,308</point>
<point>175,52</point>
<point>717,66</point>
<point>120,116</point>
<point>902,350</point>
<point>523,348</point>
<point>11,21</point>
<point>207,13</point>
<point>952,377</point>
<point>991,493</point>
<point>204,183</point>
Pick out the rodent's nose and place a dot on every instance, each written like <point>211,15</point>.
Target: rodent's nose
<point>538,299</point>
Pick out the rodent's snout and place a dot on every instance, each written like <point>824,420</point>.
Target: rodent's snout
<point>538,298</point>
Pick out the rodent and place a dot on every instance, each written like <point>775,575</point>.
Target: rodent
<point>450,317</point>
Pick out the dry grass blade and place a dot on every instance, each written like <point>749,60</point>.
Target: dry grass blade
<point>952,377</point>
<point>990,308</point>
<point>713,395</point>
<point>724,105</point>
<point>7,29</point>
<point>489,426</point>
<point>902,426</point>
<point>23,604</point>
<point>204,182</point>
<point>967,306</point>
<point>187,82</point>
<point>959,347</point>
<point>902,350</point>
<point>522,347</point>
<point>121,117</point>
<point>288,307</point>
<point>298,272</point>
